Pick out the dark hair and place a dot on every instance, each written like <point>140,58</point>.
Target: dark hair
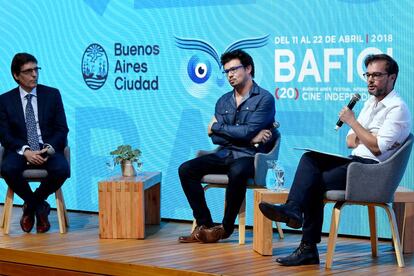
<point>19,60</point>
<point>241,55</point>
<point>391,65</point>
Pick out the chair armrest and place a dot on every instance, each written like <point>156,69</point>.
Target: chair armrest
<point>1,157</point>
<point>66,153</point>
<point>205,152</point>
<point>378,182</point>
<point>362,183</point>
<point>260,162</point>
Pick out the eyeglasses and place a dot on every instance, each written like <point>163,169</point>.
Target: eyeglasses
<point>232,69</point>
<point>374,75</point>
<point>31,70</point>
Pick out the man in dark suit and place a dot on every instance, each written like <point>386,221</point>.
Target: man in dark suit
<point>32,124</point>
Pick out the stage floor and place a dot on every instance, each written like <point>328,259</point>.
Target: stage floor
<point>81,252</point>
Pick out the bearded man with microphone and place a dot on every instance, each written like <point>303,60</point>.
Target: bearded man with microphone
<point>33,131</point>
<point>382,126</point>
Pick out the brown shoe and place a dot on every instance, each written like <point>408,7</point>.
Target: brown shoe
<point>27,220</point>
<point>192,237</point>
<point>42,220</point>
<point>213,234</point>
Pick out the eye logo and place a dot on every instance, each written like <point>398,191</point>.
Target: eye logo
<point>198,71</point>
<point>95,66</point>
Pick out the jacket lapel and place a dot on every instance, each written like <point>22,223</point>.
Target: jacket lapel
<point>41,99</point>
<point>18,106</point>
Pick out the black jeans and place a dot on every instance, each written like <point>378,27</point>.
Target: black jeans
<point>238,170</point>
<point>316,174</point>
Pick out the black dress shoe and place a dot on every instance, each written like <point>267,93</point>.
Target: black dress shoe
<point>192,237</point>
<point>28,219</point>
<point>42,220</point>
<point>305,254</point>
<point>212,234</point>
<point>289,213</point>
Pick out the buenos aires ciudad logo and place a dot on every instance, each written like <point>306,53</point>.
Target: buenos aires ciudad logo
<point>95,66</point>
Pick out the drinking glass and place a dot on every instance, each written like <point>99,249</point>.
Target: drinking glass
<point>279,175</point>
<point>109,163</point>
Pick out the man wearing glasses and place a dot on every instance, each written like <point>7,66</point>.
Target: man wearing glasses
<point>32,128</point>
<point>241,126</point>
<point>382,126</point>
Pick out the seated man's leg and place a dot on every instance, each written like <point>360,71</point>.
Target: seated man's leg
<point>58,171</point>
<point>306,197</point>
<point>190,173</point>
<point>240,170</point>
<point>12,168</point>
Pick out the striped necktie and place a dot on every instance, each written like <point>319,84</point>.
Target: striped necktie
<point>32,137</point>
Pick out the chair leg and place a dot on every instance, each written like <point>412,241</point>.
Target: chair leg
<point>7,211</point>
<point>333,233</point>
<point>373,230</point>
<point>65,212</point>
<point>194,225</point>
<point>280,230</point>
<point>61,210</point>
<point>395,235</point>
<point>242,223</point>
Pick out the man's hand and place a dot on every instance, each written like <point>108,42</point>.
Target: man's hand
<point>347,116</point>
<point>213,120</point>
<point>35,157</point>
<point>262,137</point>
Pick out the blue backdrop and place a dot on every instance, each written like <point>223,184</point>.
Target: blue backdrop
<point>146,73</point>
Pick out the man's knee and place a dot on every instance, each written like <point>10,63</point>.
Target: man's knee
<point>241,173</point>
<point>184,169</point>
<point>61,170</point>
<point>9,170</point>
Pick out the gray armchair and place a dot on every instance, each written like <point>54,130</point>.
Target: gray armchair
<point>372,185</point>
<point>259,181</point>
<point>34,175</point>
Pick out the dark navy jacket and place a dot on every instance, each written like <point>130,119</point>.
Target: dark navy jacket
<point>237,126</point>
<point>52,119</point>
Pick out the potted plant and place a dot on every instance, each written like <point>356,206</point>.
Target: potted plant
<point>126,156</point>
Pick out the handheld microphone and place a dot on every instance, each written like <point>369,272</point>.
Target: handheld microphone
<point>50,151</point>
<point>274,126</point>
<point>356,97</point>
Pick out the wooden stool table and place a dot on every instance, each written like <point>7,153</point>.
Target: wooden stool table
<point>126,204</point>
<point>263,232</point>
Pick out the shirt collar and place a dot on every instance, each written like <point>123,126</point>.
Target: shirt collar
<point>23,93</point>
<point>389,98</point>
<point>384,102</point>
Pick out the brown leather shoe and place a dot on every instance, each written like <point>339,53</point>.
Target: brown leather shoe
<point>42,220</point>
<point>27,220</point>
<point>192,237</point>
<point>213,234</point>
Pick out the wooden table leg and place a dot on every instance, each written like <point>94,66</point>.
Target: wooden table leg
<point>152,205</point>
<point>404,213</point>
<point>262,229</point>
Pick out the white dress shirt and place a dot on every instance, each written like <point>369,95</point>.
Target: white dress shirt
<point>23,94</point>
<point>389,119</point>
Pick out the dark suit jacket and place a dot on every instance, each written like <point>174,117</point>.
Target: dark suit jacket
<point>52,119</point>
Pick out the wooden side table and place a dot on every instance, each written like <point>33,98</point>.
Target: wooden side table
<point>126,204</point>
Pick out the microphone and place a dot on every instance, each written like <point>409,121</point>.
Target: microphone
<point>274,126</point>
<point>50,151</point>
<point>356,97</point>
